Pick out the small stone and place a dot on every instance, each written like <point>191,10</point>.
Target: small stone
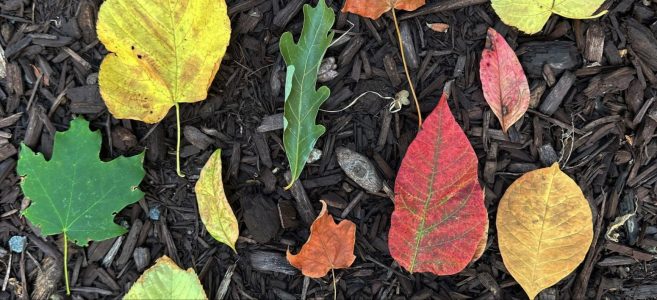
<point>314,156</point>
<point>154,214</point>
<point>327,70</point>
<point>92,78</point>
<point>17,243</point>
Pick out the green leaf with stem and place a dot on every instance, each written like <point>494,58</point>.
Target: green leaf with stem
<point>75,193</point>
<point>302,99</point>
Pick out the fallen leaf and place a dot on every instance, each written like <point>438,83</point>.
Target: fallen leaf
<point>302,99</point>
<point>373,9</point>
<point>438,27</point>
<point>76,193</point>
<point>215,211</point>
<point>503,80</point>
<point>165,280</point>
<point>530,15</point>
<point>163,54</point>
<point>544,227</point>
<point>439,217</point>
<point>329,246</point>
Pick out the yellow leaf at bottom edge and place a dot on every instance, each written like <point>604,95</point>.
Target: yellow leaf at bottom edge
<point>215,211</point>
<point>163,53</point>
<point>545,228</point>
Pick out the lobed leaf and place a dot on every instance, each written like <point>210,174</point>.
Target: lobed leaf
<point>302,99</point>
<point>76,193</point>
<point>329,246</point>
<point>503,80</point>
<point>545,228</point>
<point>439,218</point>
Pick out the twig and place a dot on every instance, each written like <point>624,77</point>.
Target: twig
<point>408,76</point>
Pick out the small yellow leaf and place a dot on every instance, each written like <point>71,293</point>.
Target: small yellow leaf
<point>530,15</point>
<point>545,228</point>
<point>215,211</point>
<point>163,53</point>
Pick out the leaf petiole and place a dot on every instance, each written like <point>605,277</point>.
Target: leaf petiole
<point>408,76</point>
<point>178,141</point>
<point>68,288</point>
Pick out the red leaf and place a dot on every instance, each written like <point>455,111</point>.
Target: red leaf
<point>504,82</point>
<point>439,216</point>
<point>373,9</point>
<point>329,246</point>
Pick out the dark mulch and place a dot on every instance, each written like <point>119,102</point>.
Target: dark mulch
<point>593,83</point>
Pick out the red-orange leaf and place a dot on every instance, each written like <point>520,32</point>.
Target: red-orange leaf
<point>439,216</point>
<point>373,9</point>
<point>504,82</point>
<point>329,246</point>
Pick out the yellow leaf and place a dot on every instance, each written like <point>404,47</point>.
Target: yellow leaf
<point>545,228</point>
<point>530,15</point>
<point>164,53</point>
<point>213,206</point>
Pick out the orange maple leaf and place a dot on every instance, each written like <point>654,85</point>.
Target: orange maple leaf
<point>329,246</point>
<point>373,9</point>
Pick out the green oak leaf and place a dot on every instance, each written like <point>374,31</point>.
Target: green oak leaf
<point>76,193</point>
<point>165,280</point>
<point>530,15</point>
<point>302,99</point>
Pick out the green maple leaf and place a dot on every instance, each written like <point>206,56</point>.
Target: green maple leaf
<point>76,193</point>
<point>302,99</point>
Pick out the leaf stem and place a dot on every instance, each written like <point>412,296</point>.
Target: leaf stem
<point>335,289</point>
<point>178,141</point>
<point>408,76</point>
<point>68,288</point>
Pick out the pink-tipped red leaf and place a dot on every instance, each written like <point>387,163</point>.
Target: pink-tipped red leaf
<point>439,216</point>
<point>504,82</point>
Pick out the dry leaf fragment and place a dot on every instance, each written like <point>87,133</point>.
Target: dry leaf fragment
<point>373,9</point>
<point>545,228</point>
<point>329,246</point>
<point>438,27</point>
<point>503,80</point>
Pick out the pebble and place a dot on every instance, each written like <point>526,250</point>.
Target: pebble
<point>154,214</point>
<point>17,243</point>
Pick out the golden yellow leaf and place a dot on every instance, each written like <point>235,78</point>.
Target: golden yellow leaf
<point>163,53</point>
<point>530,15</point>
<point>215,211</point>
<point>545,228</point>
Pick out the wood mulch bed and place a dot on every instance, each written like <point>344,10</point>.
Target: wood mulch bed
<point>594,90</point>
